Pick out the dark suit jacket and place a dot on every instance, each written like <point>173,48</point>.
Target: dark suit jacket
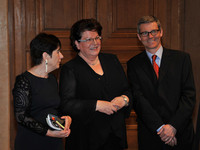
<point>168,100</point>
<point>80,88</point>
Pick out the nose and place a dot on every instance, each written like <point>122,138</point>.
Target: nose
<point>150,35</point>
<point>94,40</point>
<point>61,55</point>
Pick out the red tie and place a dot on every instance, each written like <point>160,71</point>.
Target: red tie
<point>155,66</point>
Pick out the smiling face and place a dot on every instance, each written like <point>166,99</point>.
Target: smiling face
<point>151,43</point>
<point>89,48</point>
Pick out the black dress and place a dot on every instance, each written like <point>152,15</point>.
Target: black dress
<point>80,88</point>
<point>34,98</point>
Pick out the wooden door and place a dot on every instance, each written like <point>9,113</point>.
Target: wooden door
<point>118,18</point>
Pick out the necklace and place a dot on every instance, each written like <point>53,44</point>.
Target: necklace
<point>87,60</point>
<point>94,63</point>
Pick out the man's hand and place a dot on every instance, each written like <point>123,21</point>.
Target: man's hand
<point>173,142</point>
<point>167,134</point>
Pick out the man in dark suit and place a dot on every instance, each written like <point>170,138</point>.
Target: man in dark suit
<point>164,91</point>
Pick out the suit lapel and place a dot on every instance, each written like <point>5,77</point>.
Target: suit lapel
<point>164,64</point>
<point>147,67</point>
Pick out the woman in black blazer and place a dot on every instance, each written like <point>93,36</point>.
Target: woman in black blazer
<point>95,92</point>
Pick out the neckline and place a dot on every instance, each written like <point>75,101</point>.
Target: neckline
<point>91,67</point>
<point>38,77</point>
<point>97,61</point>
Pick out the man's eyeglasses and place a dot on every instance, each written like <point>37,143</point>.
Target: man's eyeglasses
<point>146,33</point>
<point>98,38</point>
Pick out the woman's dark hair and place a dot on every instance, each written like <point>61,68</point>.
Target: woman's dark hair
<point>43,43</point>
<point>81,26</point>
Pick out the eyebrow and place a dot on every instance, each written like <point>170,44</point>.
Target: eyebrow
<point>91,37</point>
<point>151,30</point>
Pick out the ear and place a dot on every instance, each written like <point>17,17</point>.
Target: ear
<point>77,44</point>
<point>138,35</point>
<point>161,32</point>
<point>45,56</point>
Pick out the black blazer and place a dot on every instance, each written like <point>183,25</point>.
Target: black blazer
<point>80,88</point>
<point>168,100</point>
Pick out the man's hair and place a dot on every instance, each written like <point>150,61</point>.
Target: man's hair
<point>148,19</point>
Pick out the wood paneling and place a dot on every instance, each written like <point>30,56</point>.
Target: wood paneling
<point>192,44</point>
<point>131,126</point>
<point>59,15</point>
<point>118,18</point>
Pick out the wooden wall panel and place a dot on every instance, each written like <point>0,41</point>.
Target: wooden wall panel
<point>59,14</point>
<point>171,15</point>
<point>126,14</point>
<point>119,21</point>
<point>192,44</point>
<point>19,57</point>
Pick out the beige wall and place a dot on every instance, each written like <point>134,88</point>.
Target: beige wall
<point>4,78</point>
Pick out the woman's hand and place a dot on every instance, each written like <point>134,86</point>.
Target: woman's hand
<point>119,102</point>
<point>105,107</point>
<point>63,133</point>
<point>58,134</point>
<point>68,121</point>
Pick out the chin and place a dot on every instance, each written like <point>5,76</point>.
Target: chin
<point>152,46</point>
<point>96,52</point>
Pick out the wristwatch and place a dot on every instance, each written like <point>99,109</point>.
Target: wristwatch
<point>125,100</point>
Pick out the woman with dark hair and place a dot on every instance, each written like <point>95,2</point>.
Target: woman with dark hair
<point>36,95</point>
<point>94,92</point>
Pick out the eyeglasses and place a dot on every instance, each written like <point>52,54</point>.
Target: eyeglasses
<point>98,38</point>
<point>153,33</point>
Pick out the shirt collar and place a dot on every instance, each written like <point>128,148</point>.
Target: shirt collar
<point>158,53</point>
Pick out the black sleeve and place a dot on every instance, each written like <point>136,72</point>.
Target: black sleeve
<point>79,109</point>
<point>187,98</point>
<point>22,104</point>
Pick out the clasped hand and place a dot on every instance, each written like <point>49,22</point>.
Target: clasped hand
<point>167,134</point>
<point>110,107</point>
<point>63,133</point>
